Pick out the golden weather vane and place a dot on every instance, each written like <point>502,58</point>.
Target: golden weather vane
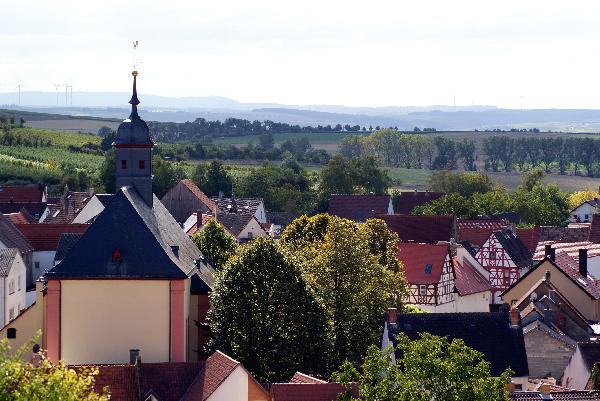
<point>135,60</point>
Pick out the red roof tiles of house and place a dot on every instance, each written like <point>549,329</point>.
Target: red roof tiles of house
<point>477,231</point>
<point>307,391</point>
<point>423,263</point>
<point>530,237</point>
<point>408,200</point>
<point>594,235</point>
<point>45,237</point>
<point>302,378</point>
<point>27,194</point>
<point>467,279</point>
<point>189,184</point>
<point>218,367</point>
<point>426,229</point>
<point>572,248</point>
<point>18,218</point>
<point>358,207</point>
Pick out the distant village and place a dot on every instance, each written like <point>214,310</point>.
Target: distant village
<point>116,282</point>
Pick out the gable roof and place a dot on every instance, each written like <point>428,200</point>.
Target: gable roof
<point>234,223</point>
<point>415,257</point>
<point>358,207</point>
<point>490,333</point>
<point>530,237</point>
<point>467,279</point>
<point>407,201</point>
<point>68,207</point>
<point>104,198</point>
<point>303,378</point>
<point>477,231</point>
<point>197,192</point>
<point>11,237</point>
<point>218,367</point>
<point>45,237</point>
<point>308,391</point>
<point>514,247</point>
<point>562,395</point>
<point>425,229</point>
<point>65,243</point>
<point>592,202</point>
<point>34,209</point>
<point>243,206</point>
<point>7,256</point>
<point>571,248</point>
<point>143,236</point>
<point>19,218</point>
<point>25,194</point>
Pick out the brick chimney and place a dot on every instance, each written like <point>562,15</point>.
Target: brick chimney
<point>515,317</point>
<point>392,315</point>
<point>549,252</point>
<point>133,356</point>
<point>583,268</point>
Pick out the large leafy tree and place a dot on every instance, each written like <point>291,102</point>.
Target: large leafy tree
<point>264,315</point>
<point>213,178</point>
<point>166,175</point>
<point>431,369</point>
<point>351,282</point>
<point>215,243</point>
<point>578,197</point>
<point>20,381</point>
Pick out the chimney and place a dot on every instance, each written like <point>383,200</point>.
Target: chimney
<point>175,249</point>
<point>392,315</point>
<point>547,276</point>
<point>515,317</point>
<point>134,354</point>
<point>549,252</point>
<point>548,316</point>
<point>583,262</point>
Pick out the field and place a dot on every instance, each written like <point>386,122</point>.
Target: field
<point>73,125</point>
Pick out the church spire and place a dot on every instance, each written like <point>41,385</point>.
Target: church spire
<point>134,99</point>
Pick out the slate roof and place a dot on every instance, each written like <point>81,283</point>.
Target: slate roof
<point>22,194</point>
<point>45,237</point>
<point>68,207</point>
<point>490,333</point>
<point>514,247</point>
<point>244,206</point>
<point>358,207</point>
<point>7,256</point>
<point>426,229</point>
<point>307,391</point>
<point>530,237</point>
<point>407,201</point>
<point>303,378</point>
<point>104,198</point>
<point>415,257</point>
<point>218,367</point>
<point>142,235</point>
<point>592,202</point>
<point>202,197</point>
<point>11,237</point>
<point>467,279</point>
<point>571,395</point>
<point>65,243</point>
<point>234,223</point>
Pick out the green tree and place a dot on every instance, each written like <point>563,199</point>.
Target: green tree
<point>107,172</point>
<point>492,202</point>
<point>465,184</point>
<point>453,203</point>
<point>212,178</point>
<point>430,369</point>
<point>336,177</point>
<point>348,280</point>
<point>368,177</point>
<point>21,381</point>
<point>215,243</point>
<point>264,315</point>
<point>266,141</point>
<point>166,175</point>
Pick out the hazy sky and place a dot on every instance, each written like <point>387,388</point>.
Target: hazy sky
<point>358,53</point>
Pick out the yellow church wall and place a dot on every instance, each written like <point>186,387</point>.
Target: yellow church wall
<point>101,320</point>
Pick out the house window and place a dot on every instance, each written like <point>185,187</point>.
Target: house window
<point>36,265</point>
<point>506,273</point>
<point>11,287</point>
<point>142,164</point>
<point>428,268</point>
<point>587,217</point>
<point>123,164</point>
<point>493,255</point>
<point>250,235</point>
<point>422,289</point>
<point>11,333</point>
<point>11,314</point>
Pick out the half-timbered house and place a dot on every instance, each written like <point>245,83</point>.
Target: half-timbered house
<point>505,257</point>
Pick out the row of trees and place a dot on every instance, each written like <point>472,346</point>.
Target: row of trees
<point>471,194</point>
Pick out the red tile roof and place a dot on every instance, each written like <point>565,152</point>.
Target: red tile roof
<point>358,207</point>
<point>493,224</point>
<point>189,184</point>
<point>45,237</point>
<point>477,231</point>
<point>302,378</point>
<point>408,200</point>
<point>28,194</point>
<point>218,367</point>
<point>18,218</point>
<point>307,391</point>
<point>415,257</point>
<point>530,237</point>
<point>594,235</point>
<point>467,279</point>
<point>427,229</point>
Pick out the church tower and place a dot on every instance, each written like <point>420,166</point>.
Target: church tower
<point>133,151</point>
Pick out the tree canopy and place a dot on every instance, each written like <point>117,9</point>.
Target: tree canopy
<point>215,243</point>
<point>212,178</point>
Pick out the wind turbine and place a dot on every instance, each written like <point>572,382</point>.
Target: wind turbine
<point>56,86</point>
<point>19,88</point>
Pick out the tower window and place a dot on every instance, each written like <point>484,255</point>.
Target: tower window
<point>123,164</point>
<point>142,164</point>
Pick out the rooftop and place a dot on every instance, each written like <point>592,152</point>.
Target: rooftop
<point>358,207</point>
<point>422,263</point>
<point>423,229</point>
<point>408,200</point>
<point>45,237</point>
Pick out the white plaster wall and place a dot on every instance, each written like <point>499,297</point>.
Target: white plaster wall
<point>478,302</point>
<point>18,299</point>
<point>46,261</point>
<point>594,266</point>
<point>92,209</point>
<point>581,211</point>
<point>233,388</point>
<point>390,207</point>
<point>253,227</point>
<point>260,214</point>
<point>576,375</point>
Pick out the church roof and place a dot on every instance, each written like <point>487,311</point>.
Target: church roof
<point>130,239</point>
<point>133,130</point>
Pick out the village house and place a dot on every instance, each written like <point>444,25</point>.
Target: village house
<point>134,267</point>
<point>491,333</point>
<point>11,237</point>
<point>421,229</point>
<point>68,206</point>
<point>13,273</point>
<point>92,208</point>
<point>406,201</point>
<point>186,198</point>
<point>572,249</point>
<point>442,282</point>
<point>243,227</point>
<point>360,207</point>
<point>506,258</point>
<point>579,369</point>
<point>584,212</point>
<point>477,231</point>
<point>30,199</point>
<point>242,206</point>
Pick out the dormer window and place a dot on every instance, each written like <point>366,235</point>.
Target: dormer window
<point>123,164</point>
<point>142,164</point>
<point>428,268</point>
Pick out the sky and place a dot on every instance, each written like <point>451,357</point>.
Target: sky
<point>538,54</point>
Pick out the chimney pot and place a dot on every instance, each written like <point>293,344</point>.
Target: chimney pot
<point>392,315</point>
<point>583,268</point>
<point>133,355</point>
<point>547,276</point>
<point>515,317</point>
